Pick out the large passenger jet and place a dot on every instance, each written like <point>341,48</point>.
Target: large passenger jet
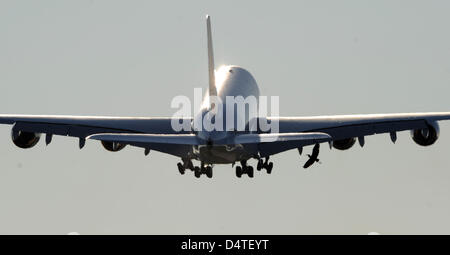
<point>230,145</point>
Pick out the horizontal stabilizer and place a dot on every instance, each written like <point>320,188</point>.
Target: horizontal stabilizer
<point>282,137</point>
<point>183,139</point>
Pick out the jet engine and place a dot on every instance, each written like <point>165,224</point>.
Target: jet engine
<point>24,139</point>
<point>113,146</point>
<point>426,136</point>
<point>344,144</point>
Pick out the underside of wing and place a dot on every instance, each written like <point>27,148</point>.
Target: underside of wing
<point>28,128</point>
<point>345,126</point>
<point>345,129</point>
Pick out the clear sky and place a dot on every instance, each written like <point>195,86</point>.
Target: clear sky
<point>130,58</point>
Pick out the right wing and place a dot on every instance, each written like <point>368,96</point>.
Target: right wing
<point>353,126</point>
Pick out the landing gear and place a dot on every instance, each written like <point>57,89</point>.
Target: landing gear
<point>259,165</point>
<point>208,172</point>
<point>239,172</point>
<point>181,168</point>
<point>198,170</point>
<point>269,168</point>
<point>187,164</point>
<point>265,164</point>
<point>244,169</point>
<point>250,171</point>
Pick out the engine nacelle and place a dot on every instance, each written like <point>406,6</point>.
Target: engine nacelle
<point>344,144</point>
<point>113,146</point>
<point>426,136</point>
<point>24,139</point>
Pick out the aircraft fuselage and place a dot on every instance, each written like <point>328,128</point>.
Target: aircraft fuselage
<point>232,82</point>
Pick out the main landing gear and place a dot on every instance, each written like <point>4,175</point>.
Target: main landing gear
<point>187,164</point>
<point>265,164</point>
<point>246,169</point>
<point>207,170</point>
<point>198,171</point>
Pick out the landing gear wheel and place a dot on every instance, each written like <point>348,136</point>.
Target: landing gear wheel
<point>238,171</point>
<point>197,172</point>
<point>209,172</point>
<point>250,171</point>
<point>269,168</point>
<point>259,166</point>
<point>181,168</point>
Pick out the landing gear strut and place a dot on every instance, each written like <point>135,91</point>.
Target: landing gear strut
<point>244,169</point>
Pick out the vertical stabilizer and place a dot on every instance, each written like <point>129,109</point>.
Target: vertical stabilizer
<point>212,79</point>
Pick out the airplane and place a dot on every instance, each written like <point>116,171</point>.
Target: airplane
<point>228,146</point>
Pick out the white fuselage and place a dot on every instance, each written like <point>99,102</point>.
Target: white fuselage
<point>232,83</point>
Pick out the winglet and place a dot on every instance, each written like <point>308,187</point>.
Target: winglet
<point>212,79</point>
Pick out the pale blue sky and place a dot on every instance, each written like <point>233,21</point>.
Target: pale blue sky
<point>130,58</point>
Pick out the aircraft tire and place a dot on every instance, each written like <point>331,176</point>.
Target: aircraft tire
<point>238,172</point>
<point>197,172</point>
<point>269,167</point>
<point>259,165</point>
<point>209,172</point>
<point>181,168</point>
<point>250,171</point>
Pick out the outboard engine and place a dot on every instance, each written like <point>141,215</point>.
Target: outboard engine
<point>426,136</point>
<point>113,146</point>
<point>24,139</point>
<point>344,144</point>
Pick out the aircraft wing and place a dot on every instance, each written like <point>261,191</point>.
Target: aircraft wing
<point>349,126</point>
<point>84,126</point>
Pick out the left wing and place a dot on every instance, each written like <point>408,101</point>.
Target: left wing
<point>84,126</point>
<point>341,127</point>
